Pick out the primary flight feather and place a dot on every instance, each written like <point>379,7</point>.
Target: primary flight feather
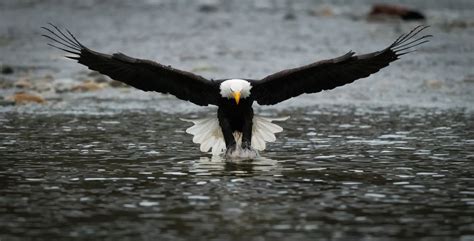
<point>235,128</point>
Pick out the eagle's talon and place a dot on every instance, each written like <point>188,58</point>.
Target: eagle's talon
<point>243,152</point>
<point>230,150</point>
<point>246,145</point>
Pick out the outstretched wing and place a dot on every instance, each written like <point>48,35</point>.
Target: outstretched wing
<point>331,73</point>
<point>139,73</point>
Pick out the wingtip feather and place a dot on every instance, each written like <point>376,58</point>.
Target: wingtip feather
<point>66,43</point>
<point>405,42</point>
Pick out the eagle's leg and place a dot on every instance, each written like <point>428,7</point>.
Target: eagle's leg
<point>247,130</point>
<point>227,131</point>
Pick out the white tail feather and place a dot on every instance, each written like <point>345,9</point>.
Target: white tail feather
<point>208,133</point>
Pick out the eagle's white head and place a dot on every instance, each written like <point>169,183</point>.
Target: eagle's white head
<point>236,89</point>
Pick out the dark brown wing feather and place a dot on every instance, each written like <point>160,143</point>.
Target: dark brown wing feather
<point>142,74</point>
<point>331,73</point>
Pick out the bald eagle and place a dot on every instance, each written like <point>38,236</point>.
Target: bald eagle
<point>235,129</point>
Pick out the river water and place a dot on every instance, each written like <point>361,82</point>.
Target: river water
<point>386,158</point>
<point>335,173</point>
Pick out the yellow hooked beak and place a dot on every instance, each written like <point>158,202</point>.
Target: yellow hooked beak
<point>236,95</point>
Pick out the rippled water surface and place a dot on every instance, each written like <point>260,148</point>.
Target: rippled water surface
<point>335,173</point>
<point>115,164</point>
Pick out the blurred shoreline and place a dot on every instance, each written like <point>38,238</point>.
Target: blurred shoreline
<point>248,39</point>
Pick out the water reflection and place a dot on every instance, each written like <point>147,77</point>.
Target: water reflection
<point>217,165</point>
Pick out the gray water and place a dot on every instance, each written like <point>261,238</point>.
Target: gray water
<point>389,157</point>
<point>335,173</point>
